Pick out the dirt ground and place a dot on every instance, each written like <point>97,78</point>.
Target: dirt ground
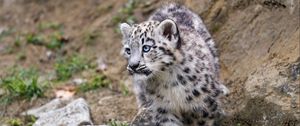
<point>258,42</point>
<point>79,18</point>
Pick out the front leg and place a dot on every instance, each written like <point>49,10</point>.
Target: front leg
<point>155,117</point>
<point>143,118</point>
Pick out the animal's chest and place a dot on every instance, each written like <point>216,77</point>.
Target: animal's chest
<point>173,95</point>
<point>174,98</point>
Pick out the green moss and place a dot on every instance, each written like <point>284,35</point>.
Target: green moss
<point>17,42</point>
<point>24,121</point>
<point>29,120</point>
<point>6,32</point>
<point>53,41</point>
<point>21,83</point>
<point>49,25</point>
<point>35,39</point>
<point>21,56</point>
<point>56,41</point>
<point>66,67</point>
<point>98,81</point>
<point>104,8</point>
<point>124,90</point>
<point>15,122</point>
<point>215,28</point>
<point>125,14</point>
<point>117,123</point>
<point>90,37</point>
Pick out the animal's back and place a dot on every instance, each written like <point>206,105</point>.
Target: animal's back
<point>186,18</point>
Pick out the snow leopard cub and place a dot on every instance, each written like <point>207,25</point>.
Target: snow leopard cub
<point>175,69</point>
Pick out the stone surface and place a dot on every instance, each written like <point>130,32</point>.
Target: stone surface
<point>50,106</point>
<point>259,47</point>
<point>73,114</point>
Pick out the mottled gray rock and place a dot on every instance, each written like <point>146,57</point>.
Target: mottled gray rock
<point>259,52</point>
<point>50,106</point>
<point>73,114</point>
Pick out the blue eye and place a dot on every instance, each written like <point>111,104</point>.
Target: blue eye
<point>127,50</point>
<point>146,48</point>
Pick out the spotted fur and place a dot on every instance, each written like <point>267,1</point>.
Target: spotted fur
<point>175,69</point>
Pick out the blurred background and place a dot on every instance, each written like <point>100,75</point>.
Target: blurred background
<point>71,48</point>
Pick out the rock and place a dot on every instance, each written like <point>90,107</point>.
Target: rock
<point>50,106</point>
<point>101,64</point>
<point>2,30</point>
<point>259,54</point>
<point>50,55</point>
<point>74,114</point>
<point>79,81</point>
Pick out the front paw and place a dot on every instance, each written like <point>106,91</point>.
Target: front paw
<point>143,118</point>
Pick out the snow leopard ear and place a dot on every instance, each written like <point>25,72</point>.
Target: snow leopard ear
<point>168,29</point>
<point>125,29</point>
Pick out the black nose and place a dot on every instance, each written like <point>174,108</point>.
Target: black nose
<point>134,66</point>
